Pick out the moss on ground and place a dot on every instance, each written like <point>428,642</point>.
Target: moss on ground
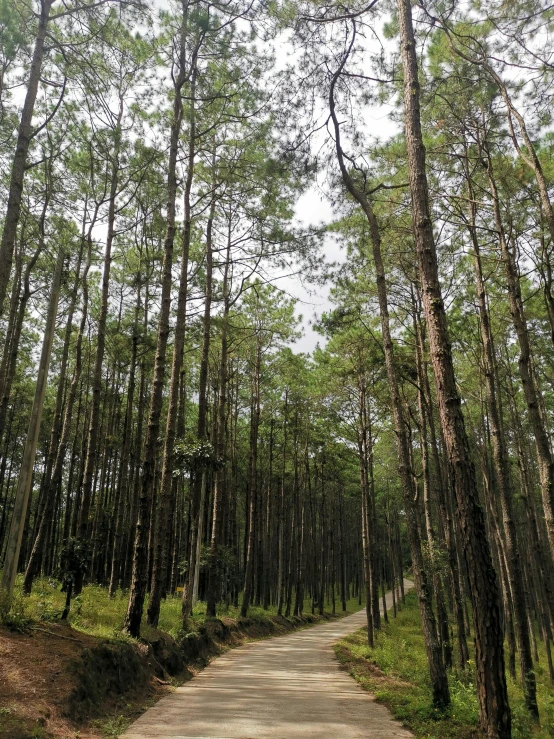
<point>395,671</point>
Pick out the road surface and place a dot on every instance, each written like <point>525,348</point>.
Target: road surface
<point>285,687</point>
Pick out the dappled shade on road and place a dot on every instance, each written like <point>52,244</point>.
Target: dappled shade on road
<point>289,686</point>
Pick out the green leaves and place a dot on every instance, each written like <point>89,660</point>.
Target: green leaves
<point>193,455</point>
<point>13,15</point>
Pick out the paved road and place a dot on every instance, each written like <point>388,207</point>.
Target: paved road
<point>288,686</point>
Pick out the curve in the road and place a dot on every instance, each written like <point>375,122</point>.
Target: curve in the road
<point>288,686</point>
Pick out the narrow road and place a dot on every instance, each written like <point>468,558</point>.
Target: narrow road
<point>288,686</point>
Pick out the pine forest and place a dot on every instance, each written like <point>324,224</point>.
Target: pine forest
<point>277,330</point>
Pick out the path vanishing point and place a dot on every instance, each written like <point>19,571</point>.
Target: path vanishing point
<point>287,686</point>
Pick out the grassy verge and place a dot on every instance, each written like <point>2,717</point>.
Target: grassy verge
<point>95,613</point>
<point>395,671</point>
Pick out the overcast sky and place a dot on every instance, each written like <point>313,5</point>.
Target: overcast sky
<point>313,208</point>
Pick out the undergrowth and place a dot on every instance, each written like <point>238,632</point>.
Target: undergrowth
<point>95,613</point>
<point>395,671</point>
<point>111,727</point>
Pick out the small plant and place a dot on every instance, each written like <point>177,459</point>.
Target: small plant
<point>47,611</point>
<point>464,700</point>
<point>112,727</point>
<point>15,619</point>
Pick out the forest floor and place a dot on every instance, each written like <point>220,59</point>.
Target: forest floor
<point>287,687</point>
<point>86,680</point>
<point>395,672</point>
<point>37,677</point>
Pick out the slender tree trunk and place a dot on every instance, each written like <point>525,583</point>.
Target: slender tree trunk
<point>365,548</point>
<point>198,485</point>
<point>494,708</point>
<point>372,515</point>
<point>439,680</point>
<point>220,483</point>
<point>252,480</point>
<point>12,316</point>
<point>12,350</point>
<point>24,135</point>
<point>19,514</point>
<point>60,445</point>
<point>532,395</point>
<point>444,631</point>
<point>123,477</point>
<point>367,533</point>
<point>94,423</point>
<point>139,580</point>
<point>166,500</point>
<point>503,478</point>
<point>529,156</point>
<point>281,533</point>
<point>268,544</point>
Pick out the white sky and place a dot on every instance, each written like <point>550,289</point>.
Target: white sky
<point>313,209</point>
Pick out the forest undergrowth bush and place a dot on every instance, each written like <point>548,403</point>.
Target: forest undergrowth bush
<point>396,672</point>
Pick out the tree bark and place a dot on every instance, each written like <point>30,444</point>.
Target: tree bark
<point>495,717</point>
<point>252,479</point>
<point>503,477</point>
<point>93,431</point>
<point>198,486</point>
<point>531,392</point>
<point>59,442</point>
<point>166,499</point>
<point>220,482</point>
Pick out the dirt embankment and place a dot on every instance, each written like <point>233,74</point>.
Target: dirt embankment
<point>59,683</point>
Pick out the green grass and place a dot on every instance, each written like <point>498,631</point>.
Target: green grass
<point>95,613</point>
<point>395,671</point>
<point>112,727</point>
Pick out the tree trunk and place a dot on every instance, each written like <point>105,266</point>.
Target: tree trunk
<point>166,500</point>
<point>24,135</point>
<point>494,708</point>
<point>220,482</point>
<point>93,431</point>
<point>198,485</point>
<point>123,477</point>
<point>531,392</point>
<point>26,473</point>
<point>503,478</point>
<point>252,480</point>
<point>11,351</point>
<point>367,533</point>
<point>437,671</point>
<point>139,580</point>
<point>59,445</point>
